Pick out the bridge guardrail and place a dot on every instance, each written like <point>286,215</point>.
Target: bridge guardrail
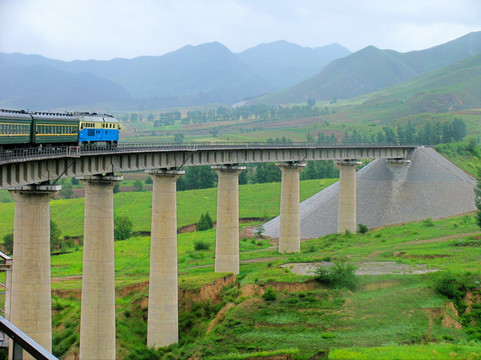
<point>40,153</point>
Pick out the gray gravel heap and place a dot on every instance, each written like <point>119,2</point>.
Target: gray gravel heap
<point>430,186</point>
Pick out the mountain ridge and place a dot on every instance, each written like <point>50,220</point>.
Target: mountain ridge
<point>371,69</point>
<point>191,75</point>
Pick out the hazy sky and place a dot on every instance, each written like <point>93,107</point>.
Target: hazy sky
<point>105,29</point>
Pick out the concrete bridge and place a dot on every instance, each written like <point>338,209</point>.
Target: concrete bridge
<point>28,174</point>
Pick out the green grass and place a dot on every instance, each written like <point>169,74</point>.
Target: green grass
<point>302,320</point>
<point>412,352</point>
<point>383,315</point>
<point>256,200</point>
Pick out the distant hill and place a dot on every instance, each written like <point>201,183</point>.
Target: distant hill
<point>285,64</point>
<point>450,88</point>
<point>372,69</point>
<point>192,75</point>
<point>43,87</point>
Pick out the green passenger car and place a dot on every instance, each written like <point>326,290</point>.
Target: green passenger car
<point>15,127</point>
<point>51,128</point>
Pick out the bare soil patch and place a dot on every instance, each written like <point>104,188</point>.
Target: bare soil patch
<point>363,268</point>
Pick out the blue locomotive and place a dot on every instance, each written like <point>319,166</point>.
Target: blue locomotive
<point>19,128</point>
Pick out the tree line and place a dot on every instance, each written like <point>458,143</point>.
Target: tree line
<point>260,112</point>
<point>204,177</point>
<point>433,132</point>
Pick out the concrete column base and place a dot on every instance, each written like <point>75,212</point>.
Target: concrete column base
<point>346,216</point>
<point>163,318</point>
<point>31,309</point>
<point>290,222</point>
<point>97,322</point>
<point>227,232</point>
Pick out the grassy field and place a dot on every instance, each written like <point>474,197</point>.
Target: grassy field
<point>256,200</point>
<point>269,309</point>
<point>390,314</point>
<point>386,310</point>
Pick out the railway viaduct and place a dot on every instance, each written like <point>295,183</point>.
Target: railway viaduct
<point>30,176</point>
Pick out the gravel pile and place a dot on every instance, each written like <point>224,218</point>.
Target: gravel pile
<point>430,186</point>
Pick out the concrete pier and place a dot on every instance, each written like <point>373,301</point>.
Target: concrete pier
<point>346,216</point>
<point>97,323</point>
<point>163,318</point>
<point>31,309</point>
<point>289,232</point>
<point>227,233</point>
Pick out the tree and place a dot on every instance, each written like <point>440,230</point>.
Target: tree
<point>148,180</point>
<point>66,192</point>
<point>311,102</point>
<point>197,177</point>
<point>117,187</point>
<point>477,197</point>
<point>205,222</point>
<point>266,173</point>
<point>55,243</point>
<point>75,181</point>
<point>8,244</point>
<point>123,228</point>
<point>179,138</point>
<point>138,186</point>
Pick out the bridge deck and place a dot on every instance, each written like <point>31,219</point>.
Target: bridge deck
<point>33,165</point>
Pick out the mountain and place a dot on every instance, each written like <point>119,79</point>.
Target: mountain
<point>371,69</point>
<point>184,72</point>
<point>284,64</point>
<point>39,87</point>
<point>450,88</point>
<point>192,75</point>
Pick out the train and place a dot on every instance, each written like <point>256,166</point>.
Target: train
<point>20,128</point>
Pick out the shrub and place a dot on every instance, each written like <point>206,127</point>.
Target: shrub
<point>450,286</point>
<point>205,222</point>
<point>55,242</point>
<point>363,228</point>
<point>341,275</point>
<point>138,186</point>
<point>428,222</point>
<point>270,294</point>
<point>123,228</point>
<point>8,244</point>
<point>201,245</point>
<point>259,231</point>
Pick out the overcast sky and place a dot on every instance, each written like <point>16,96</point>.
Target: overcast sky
<point>106,29</point>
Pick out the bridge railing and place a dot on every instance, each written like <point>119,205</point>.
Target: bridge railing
<point>5,265</point>
<point>39,153</point>
<point>21,341</point>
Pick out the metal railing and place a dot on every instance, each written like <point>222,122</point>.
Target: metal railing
<point>40,153</point>
<point>5,265</point>
<point>21,341</point>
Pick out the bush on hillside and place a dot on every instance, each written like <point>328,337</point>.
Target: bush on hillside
<point>200,245</point>
<point>363,228</point>
<point>205,222</point>
<point>270,294</point>
<point>8,244</point>
<point>338,276</point>
<point>55,242</point>
<point>123,228</point>
<point>450,286</point>
<point>138,186</point>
